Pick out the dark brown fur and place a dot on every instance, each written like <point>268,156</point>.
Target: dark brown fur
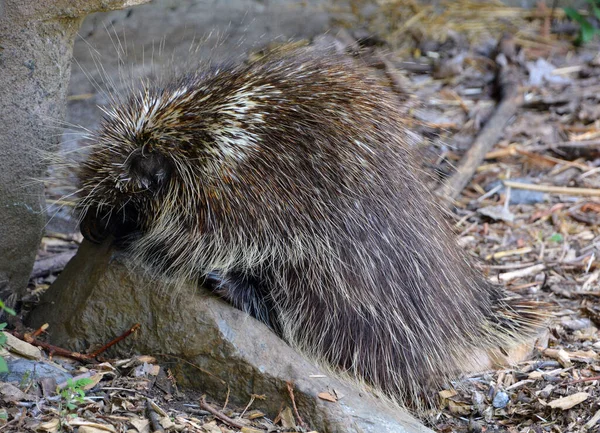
<point>289,187</point>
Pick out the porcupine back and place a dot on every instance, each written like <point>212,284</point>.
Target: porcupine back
<point>289,187</point>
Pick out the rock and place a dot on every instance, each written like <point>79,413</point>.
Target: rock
<point>25,371</point>
<point>36,40</point>
<point>519,196</point>
<point>97,297</point>
<point>20,347</point>
<point>497,213</point>
<point>501,399</point>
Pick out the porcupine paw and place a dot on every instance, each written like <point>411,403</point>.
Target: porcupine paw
<point>244,292</point>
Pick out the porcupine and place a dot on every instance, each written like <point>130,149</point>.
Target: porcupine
<point>288,187</point>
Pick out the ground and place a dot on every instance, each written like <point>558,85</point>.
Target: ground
<point>529,215</point>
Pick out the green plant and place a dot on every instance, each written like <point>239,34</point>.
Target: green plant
<point>556,237</point>
<point>3,364</point>
<point>73,394</point>
<point>587,30</point>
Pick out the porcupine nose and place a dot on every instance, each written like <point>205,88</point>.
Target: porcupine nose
<point>151,169</point>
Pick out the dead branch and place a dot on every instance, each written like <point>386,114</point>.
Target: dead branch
<point>510,101</point>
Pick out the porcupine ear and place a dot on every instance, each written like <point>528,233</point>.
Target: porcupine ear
<point>152,169</point>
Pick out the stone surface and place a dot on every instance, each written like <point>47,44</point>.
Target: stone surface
<point>25,371</point>
<point>20,347</point>
<point>96,298</point>
<point>36,39</point>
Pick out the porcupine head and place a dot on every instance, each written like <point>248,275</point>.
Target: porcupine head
<point>289,185</point>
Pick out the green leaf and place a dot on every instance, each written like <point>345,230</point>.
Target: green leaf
<point>2,340</point>
<point>556,237</point>
<point>586,30</point>
<point>3,325</point>
<point>574,15</point>
<point>595,8</point>
<point>3,365</point>
<point>84,381</point>
<point>9,311</point>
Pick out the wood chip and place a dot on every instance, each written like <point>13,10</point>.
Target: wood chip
<point>593,420</point>
<point>560,355</point>
<point>570,401</point>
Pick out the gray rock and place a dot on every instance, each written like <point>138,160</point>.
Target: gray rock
<point>25,371</point>
<point>501,400</point>
<point>36,40</point>
<point>96,298</point>
<point>519,196</point>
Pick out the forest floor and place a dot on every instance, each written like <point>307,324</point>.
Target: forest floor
<point>512,83</point>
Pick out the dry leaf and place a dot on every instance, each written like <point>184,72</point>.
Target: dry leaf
<point>251,430</point>
<point>584,356</point>
<point>287,418</point>
<point>140,424</point>
<point>91,427</point>
<point>568,402</point>
<point>95,379</point>
<point>50,426</point>
<point>211,427</point>
<point>459,408</point>
<point>10,393</point>
<point>448,393</point>
<point>327,397</point>
<point>534,375</point>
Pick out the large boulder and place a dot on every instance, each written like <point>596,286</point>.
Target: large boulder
<point>209,345</point>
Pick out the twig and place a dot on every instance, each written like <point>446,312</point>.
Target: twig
<point>53,350</point>
<point>39,331</point>
<point>153,417</point>
<point>494,127</point>
<point>220,415</point>
<point>133,391</point>
<point>116,340</point>
<point>593,192</point>
<point>191,364</point>
<point>585,379</point>
<point>532,270</point>
<point>594,144</point>
<point>290,387</point>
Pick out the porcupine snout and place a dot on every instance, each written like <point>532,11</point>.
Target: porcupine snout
<point>147,172</point>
